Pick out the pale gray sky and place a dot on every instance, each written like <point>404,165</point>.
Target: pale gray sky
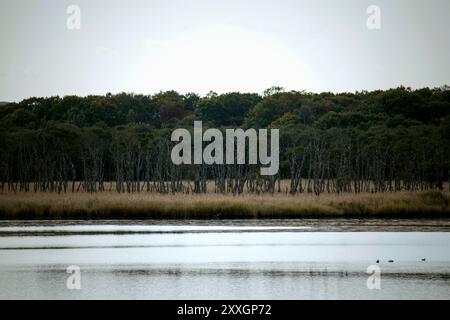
<point>227,45</point>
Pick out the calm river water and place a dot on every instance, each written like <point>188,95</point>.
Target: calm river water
<point>273,259</point>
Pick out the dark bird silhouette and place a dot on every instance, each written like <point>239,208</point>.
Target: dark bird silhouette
<point>424,259</point>
<point>391,261</point>
<point>378,261</point>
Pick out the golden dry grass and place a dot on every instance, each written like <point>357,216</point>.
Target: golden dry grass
<point>111,205</point>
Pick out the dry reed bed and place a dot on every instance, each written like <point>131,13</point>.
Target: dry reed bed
<point>110,205</point>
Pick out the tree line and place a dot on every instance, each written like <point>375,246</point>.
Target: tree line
<point>379,141</point>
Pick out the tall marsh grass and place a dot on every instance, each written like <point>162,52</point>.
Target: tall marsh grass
<point>111,205</point>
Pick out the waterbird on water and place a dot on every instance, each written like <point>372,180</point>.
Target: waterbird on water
<point>424,259</point>
<point>378,261</point>
<point>391,261</point>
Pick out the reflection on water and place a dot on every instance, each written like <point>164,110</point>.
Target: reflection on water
<point>201,260</point>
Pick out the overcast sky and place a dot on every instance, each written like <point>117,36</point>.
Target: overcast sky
<point>228,45</point>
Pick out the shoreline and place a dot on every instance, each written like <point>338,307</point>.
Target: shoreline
<point>105,206</point>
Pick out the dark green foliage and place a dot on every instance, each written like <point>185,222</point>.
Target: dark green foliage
<point>399,136</point>
<point>226,110</point>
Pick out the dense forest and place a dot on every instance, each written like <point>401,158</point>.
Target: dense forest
<point>378,141</point>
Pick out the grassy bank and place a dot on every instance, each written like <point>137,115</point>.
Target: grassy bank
<point>211,206</point>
